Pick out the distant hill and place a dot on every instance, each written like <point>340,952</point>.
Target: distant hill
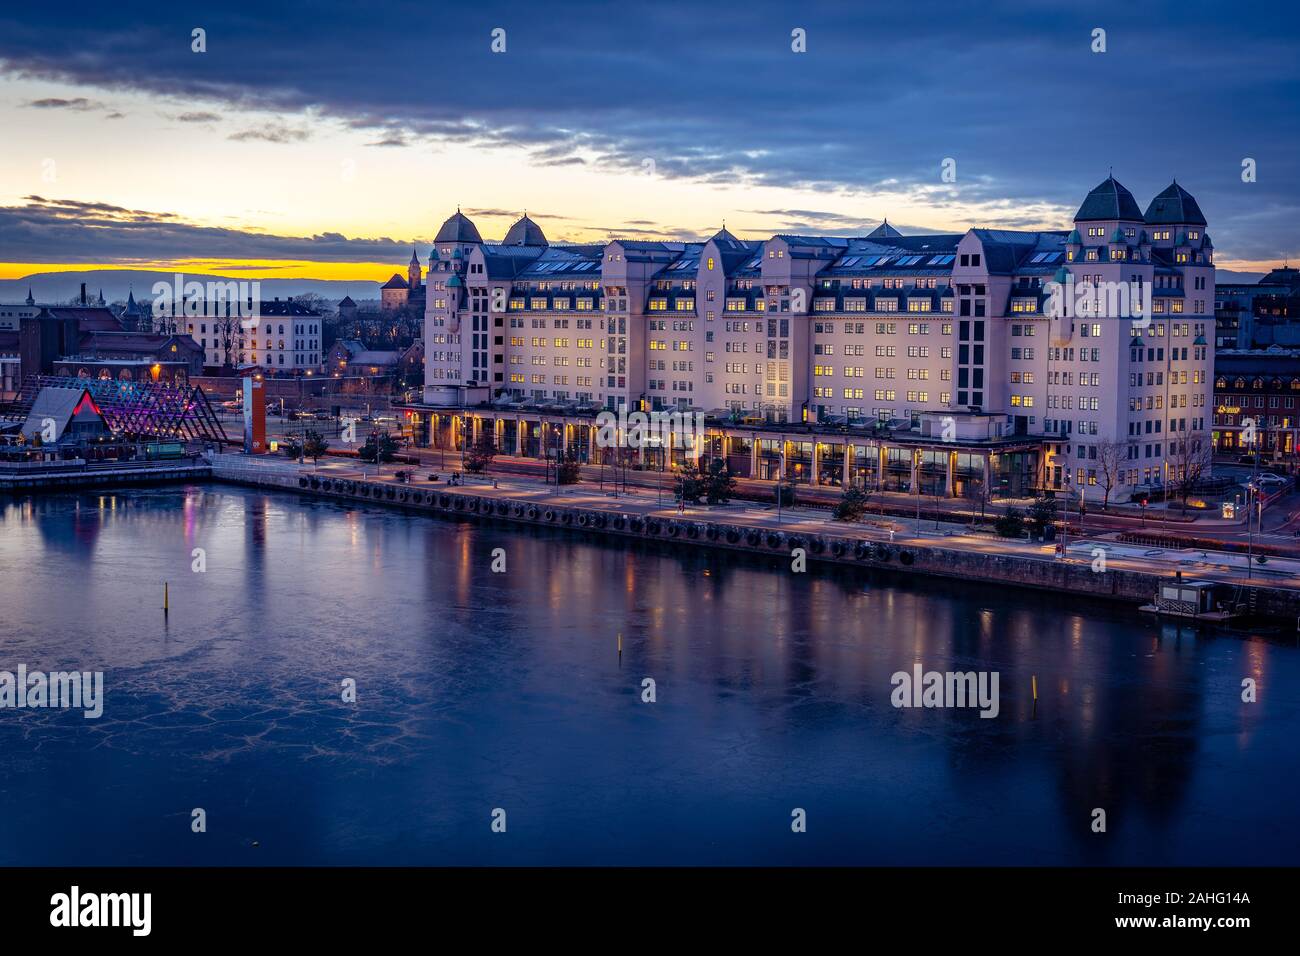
<point>61,286</point>
<point>1227,276</point>
<point>116,283</point>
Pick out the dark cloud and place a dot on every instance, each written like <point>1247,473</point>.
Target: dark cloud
<point>1010,91</point>
<point>199,117</point>
<point>80,104</point>
<point>64,230</point>
<point>271,134</point>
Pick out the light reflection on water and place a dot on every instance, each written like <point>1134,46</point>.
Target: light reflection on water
<point>480,690</point>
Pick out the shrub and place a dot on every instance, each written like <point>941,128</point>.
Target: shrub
<point>852,505</point>
<point>1010,524</point>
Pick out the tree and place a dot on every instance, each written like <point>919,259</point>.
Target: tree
<point>976,492</point>
<point>568,471</point>
<point>852,504</point>
<point>1010,524</point>
<point>315,302</point>
<point>314,445</point>
<point>387,447</point>
<point>1042,514</point>
<point>481,453</point>
<point>1110,458</point>
<point>687,485</point>
<point>1190,458</point>
<point>719,484</point>
<point>291,447</point>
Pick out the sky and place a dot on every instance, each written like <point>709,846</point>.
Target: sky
<point>327,139</point>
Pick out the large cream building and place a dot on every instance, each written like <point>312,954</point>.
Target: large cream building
<point>930,339</point>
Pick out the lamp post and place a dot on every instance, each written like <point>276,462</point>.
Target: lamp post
<point>1065,523</point>
<point>780,496</point>
<point>916,484</point>
<point>1251,495</point>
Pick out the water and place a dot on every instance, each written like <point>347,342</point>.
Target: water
<point>478,691</point>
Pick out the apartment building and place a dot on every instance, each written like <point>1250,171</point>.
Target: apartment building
<point>282,336</point>
<point>1087,349</point>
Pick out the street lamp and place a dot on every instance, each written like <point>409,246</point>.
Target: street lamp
<point>780,496</point>
<point>1065,523</point>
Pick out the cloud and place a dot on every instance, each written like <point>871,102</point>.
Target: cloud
<point>67,230</point>
<point>79,105</point>
<point>271,134</point>
<point>197,117</point>
<point>1010,91</point>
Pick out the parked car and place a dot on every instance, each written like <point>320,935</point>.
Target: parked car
<point>1271,479</point>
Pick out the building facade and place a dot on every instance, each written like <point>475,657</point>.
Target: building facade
<point>283,336</point>
<point>403,293</point>
<point>885,331</point>
<point>1260,387</point>
<point>1259,315</point>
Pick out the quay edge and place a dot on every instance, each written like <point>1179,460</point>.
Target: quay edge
<point>1129,587</point>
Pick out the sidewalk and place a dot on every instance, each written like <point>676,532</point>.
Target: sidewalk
<point>902,531</point>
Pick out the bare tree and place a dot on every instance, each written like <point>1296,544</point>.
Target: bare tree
<point>1190,457</point>
<point>226,329</point>
<point>1111,456</point>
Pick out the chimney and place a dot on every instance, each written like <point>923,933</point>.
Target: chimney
<point>83,293</point>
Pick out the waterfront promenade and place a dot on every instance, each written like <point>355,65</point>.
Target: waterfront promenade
<point>1081,554</point>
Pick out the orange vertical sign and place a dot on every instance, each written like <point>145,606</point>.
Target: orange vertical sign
<point>254,417</point>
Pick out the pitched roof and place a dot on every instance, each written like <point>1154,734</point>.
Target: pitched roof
<point>884,231</point>
<point>458,228</point>
<point>283,307</point>
<point>1109,200</point>
<point>396,282</point>
<point>525,232</point>
<point>63,405</point>
<point>89,318</point>
<point>1173,206</point>
<point>376,358</point>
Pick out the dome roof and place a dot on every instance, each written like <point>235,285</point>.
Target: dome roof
<point>458,228</point>
<point>1109,200</point>
<point>525,232</point>
<point>1174,206</point>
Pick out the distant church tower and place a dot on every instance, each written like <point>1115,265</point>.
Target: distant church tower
<point>413,272</point>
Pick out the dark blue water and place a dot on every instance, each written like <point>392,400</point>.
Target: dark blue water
<point>479,691</point>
